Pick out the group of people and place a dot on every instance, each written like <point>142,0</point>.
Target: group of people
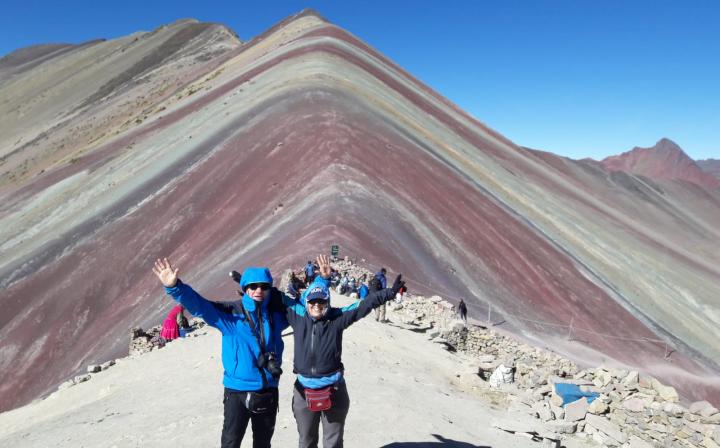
<point>347,285</point>
<point>252,349</point>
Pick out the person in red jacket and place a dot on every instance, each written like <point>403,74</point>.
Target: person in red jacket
<point>171,329</point>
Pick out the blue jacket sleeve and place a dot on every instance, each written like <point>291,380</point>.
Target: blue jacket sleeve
<point>197,305</point>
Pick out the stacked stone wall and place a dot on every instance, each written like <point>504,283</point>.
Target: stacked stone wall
<point>632,409</point>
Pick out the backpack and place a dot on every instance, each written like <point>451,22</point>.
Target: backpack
<point>182,321</point>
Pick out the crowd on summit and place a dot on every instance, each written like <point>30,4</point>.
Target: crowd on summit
<point>344,283</point>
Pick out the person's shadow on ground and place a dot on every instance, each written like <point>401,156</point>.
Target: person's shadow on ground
<point>442,442</point>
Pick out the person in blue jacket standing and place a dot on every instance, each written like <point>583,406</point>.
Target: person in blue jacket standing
<point>309,272</point>
<point>252,349</point>
<point>363,291</point>
<point>380,275</point>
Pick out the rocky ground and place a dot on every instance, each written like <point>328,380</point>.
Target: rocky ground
<point>632,410</point>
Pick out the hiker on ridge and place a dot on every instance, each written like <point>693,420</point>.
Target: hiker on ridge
<point>252,350</point>
<point>309,272</point>
<point>462,310</point>
<point>320,393</point>
<point>373,286</point>
<point>380,275</point>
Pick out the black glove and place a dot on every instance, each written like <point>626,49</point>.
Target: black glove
<point>235,275</point>
<point>399,283</point>
<point>276,301</point>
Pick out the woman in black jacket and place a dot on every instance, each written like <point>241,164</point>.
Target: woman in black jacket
<point>320,393</point>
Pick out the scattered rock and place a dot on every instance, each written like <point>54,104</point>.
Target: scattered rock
<point>636,442</point>
<point>563,427</point>
<point>521,425</point>
<point>667,393</point>
<point>606,426</point>
<point>634,410</point>
<point>81,378</point>
<point>486,358</point>
<point>556,400</point>
<point>602,378</point>
<point>106,365</point>
<point>673,409</point>
<point>576,410</point>
<point>634,404</point>
<point>631,380</point>
<point>598,407</point>
<point>543,411</point>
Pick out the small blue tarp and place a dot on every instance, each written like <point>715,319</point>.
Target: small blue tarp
<point>571,392</point>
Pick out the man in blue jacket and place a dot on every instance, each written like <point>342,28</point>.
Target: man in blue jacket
<point>320,393</point>
<point>252,349</point>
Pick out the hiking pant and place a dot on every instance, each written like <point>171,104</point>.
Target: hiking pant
<point>237,417</point>
<point>333,420</point>
<point>380,313</point>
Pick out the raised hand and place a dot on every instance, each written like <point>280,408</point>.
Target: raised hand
<point>324,264</point>
<point>165,272</point>
<point>399,283</point>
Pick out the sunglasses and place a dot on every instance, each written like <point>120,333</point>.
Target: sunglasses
<point>318,303</point>
<point>254,286</point>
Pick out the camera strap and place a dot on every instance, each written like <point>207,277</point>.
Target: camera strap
<point>259,336</point>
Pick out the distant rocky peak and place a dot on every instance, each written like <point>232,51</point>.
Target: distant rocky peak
<point>663,149</point>
<point>710,166</point>
<point>665,160</point>
<point>666,145</point>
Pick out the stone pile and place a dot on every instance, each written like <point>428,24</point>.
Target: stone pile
<point>143,342</point>
<point>352,269</point>
<point>632,410</point>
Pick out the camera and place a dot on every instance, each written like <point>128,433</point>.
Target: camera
<point>270,362</point>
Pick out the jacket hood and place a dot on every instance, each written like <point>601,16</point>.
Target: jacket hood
<point>255,275</point>
<point>252,275</point>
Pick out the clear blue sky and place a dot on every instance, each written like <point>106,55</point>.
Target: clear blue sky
<point>579,78</point>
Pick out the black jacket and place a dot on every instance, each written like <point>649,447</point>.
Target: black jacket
<point>318,343</point>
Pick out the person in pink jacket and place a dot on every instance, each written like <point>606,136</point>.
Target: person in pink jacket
<point>170,328</point>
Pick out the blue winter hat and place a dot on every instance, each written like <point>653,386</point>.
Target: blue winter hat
<point>316,290</point>
<point>255,275</point>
